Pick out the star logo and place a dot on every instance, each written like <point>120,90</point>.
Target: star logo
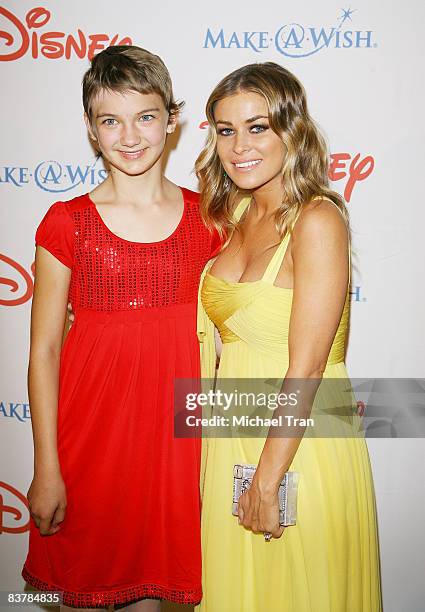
<point>346,14</point>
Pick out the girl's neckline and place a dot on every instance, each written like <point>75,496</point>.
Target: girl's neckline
<point>169,237</point>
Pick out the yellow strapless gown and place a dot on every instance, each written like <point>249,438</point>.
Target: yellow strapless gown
<point>328,561</point>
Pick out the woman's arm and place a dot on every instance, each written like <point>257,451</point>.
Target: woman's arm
<point>218,343</point>
<point>320,263</point>
<point>46,496</point>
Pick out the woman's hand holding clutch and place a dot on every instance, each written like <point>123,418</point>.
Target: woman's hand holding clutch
<point>258,510</point>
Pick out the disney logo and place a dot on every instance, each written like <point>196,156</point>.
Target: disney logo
<point>358,170</point>
<point>24,283</point>
<point>19,510</point>
<point>25,37</point>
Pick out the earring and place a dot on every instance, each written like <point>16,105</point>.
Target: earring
<point>226,180</point>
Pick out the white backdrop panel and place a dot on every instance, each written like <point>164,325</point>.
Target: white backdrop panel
<point>365,85</point>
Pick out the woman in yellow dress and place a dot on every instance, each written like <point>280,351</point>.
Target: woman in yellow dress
<point>277,294</point>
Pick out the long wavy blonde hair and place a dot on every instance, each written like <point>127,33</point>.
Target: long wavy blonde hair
<point>305,169</point>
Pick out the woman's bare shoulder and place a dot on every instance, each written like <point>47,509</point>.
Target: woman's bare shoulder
<point>320,221</point>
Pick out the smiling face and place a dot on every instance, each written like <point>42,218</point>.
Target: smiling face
<point>250,152</point>
<point>130,129</point>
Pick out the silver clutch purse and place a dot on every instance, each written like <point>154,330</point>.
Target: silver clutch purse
<point>242,479</point>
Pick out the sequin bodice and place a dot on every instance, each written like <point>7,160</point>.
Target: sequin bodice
<point>110,273</point>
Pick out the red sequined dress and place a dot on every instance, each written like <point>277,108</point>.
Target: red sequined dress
<point>132,525</point>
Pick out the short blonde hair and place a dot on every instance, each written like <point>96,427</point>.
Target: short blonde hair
<point>124,68</point>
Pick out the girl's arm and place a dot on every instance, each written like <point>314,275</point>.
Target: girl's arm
<point>46,495</point>
<point>320,260</point>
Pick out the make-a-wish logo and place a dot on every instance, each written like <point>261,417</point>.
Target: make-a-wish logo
<point>12,410</point>
<point>295,40</point>
<point>54,176</point>
<point>14,512</point>
<point>29,37</point>
<point>356,294</point>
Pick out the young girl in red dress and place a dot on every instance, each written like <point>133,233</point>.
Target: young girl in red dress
<point>115,497</point>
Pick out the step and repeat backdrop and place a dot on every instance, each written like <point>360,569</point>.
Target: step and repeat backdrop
<point>361,66</point>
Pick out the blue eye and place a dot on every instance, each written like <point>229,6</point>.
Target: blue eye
<point>109,121</point>
<point>225,132</point>
<point>147,117</point>
<point>257,129</point>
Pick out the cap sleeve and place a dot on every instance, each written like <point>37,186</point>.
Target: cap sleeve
<point>56,233</point>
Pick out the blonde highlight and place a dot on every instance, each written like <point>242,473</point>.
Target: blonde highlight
<point>305,169</point>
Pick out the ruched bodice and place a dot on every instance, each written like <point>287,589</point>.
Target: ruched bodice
<point>258,313</point>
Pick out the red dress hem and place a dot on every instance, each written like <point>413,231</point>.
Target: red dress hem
<point>100,599</point>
